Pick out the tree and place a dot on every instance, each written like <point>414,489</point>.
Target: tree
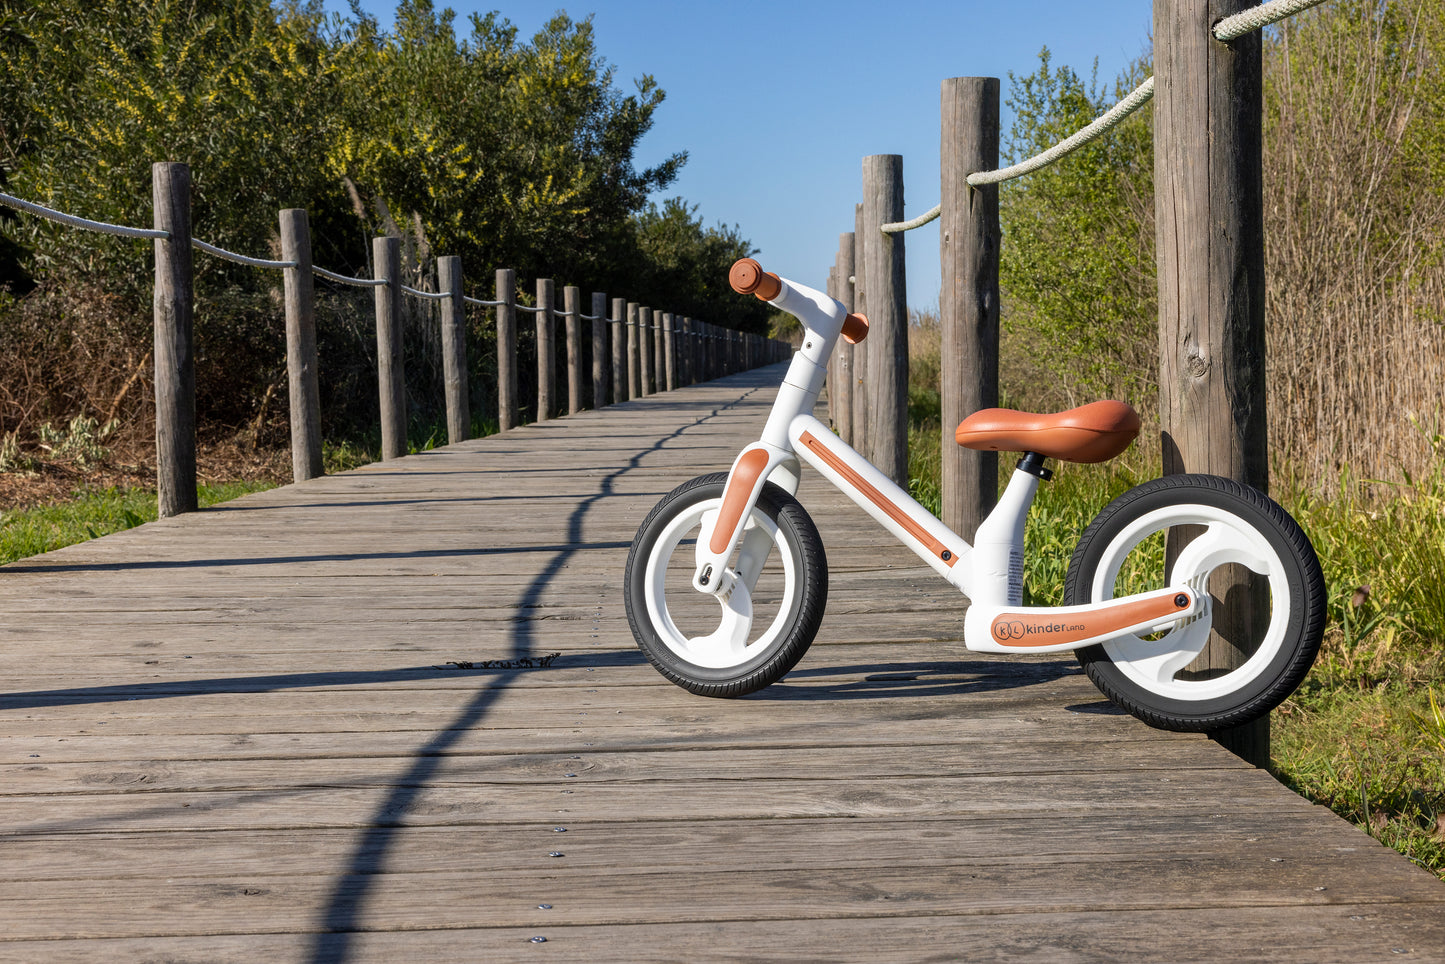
<point>685,266</point>
<point>1077,265</point>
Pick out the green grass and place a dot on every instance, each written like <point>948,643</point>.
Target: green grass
<point>93,513</point>
<point>1365,733</point>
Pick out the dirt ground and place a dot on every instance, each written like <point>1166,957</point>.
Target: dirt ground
<point>53,482</point>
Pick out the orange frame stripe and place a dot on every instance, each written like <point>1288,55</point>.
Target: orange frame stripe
<point>877,498</point>
<point>1024,630</point>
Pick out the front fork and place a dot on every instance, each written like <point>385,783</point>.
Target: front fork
<point>724,527</point>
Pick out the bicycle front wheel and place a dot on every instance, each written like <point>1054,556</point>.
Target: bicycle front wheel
<point>726,647</point>
<point>1250,563</point>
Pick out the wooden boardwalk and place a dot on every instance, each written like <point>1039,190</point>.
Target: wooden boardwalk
<point>268,732</point>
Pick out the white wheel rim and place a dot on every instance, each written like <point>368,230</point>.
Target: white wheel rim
<point>726,646</point>
<point>1154,664</point>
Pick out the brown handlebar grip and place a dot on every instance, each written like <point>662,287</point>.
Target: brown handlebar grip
<point>855,328</point>
<point>747,277</point>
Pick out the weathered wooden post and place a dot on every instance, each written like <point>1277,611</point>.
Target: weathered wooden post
<point>1209,224</point>
<point>968,237</point>
<point>669,351</point>
<point>454,350</point>
<point>599,349</point>
<point>546,351</point>
<point>304,391</point>
<point>659,378</point>
<point>390,372</point>
<point>175,358</point>
<point>845,351</point>
<point>887,316</point>
<point>572,305</point>
<point>618,326</point>
<point>831,288</point>
<point>644,349</point>
<point>864,350</point>
<point>634,371</point>
<point>506,349</point>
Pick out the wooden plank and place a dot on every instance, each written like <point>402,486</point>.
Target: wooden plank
<point>315,782</point>
<point>1305,935</point>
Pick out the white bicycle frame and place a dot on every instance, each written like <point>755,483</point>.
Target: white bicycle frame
<point>990,572</point>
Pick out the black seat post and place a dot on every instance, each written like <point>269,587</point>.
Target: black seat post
<point>1033,464</point>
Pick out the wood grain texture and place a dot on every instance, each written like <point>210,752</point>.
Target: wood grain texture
<point>969,236</point>
<point>304,391</point>
<point>507,392</point>
<point>454,350</point>
<point>295,728</point>
<point>1209,224</point>
<point>390,369</point>
<point>546,350</point>
<point>174,348</point>
<point>883,263</point>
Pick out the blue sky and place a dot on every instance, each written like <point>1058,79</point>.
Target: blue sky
<point>836,80</point>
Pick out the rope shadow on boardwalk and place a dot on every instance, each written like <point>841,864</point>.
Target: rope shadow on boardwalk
<point>343,912</point>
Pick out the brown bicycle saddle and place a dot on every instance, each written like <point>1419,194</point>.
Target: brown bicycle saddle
<point>1090,433</point>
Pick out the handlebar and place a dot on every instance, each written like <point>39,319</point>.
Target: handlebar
<point>747,277</point>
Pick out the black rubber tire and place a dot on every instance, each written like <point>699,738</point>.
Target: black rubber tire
<point>799,538</point>
<point>1305,626</point>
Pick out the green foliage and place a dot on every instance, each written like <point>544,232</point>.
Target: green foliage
<point>79,442</point>
<point>1077,264</point>
<point>1374,757</point>
<point>92,514</point>
<point>686,265</point>
<point>505,153</point>
<point>470,142</point>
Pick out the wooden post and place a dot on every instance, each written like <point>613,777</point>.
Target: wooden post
<point>454,350</point>
<point>669,350</point>
<point>546,351</point>
<point>1209,203</point>
<point>572,304</point>
<point>390,374</point>
<point>175,358</point>
<point>644,349</point>
<point>506,349</point>
<point>968,238</point>
<point>634,389</point>
<point>617,325</point>
<point>303,388</point>
<point>845,351</point>
<point>831,380</point>
<point>599,349</point>
<point>862,352</point>
<point>659,380</point>
<point>887,316</point>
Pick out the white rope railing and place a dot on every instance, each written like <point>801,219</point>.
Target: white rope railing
<point>239,258</point>
<point>211,249</point>
<point>1230,28</point>
<point>76,222</point>
<point>897,227</point>
<point>429,295</point>
<point>1110,119</point>
<point>347,280</point>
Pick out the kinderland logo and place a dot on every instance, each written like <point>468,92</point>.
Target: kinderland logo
<point>1018,629</point>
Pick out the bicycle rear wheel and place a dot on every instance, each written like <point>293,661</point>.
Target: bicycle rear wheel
<point>1268,599</point>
